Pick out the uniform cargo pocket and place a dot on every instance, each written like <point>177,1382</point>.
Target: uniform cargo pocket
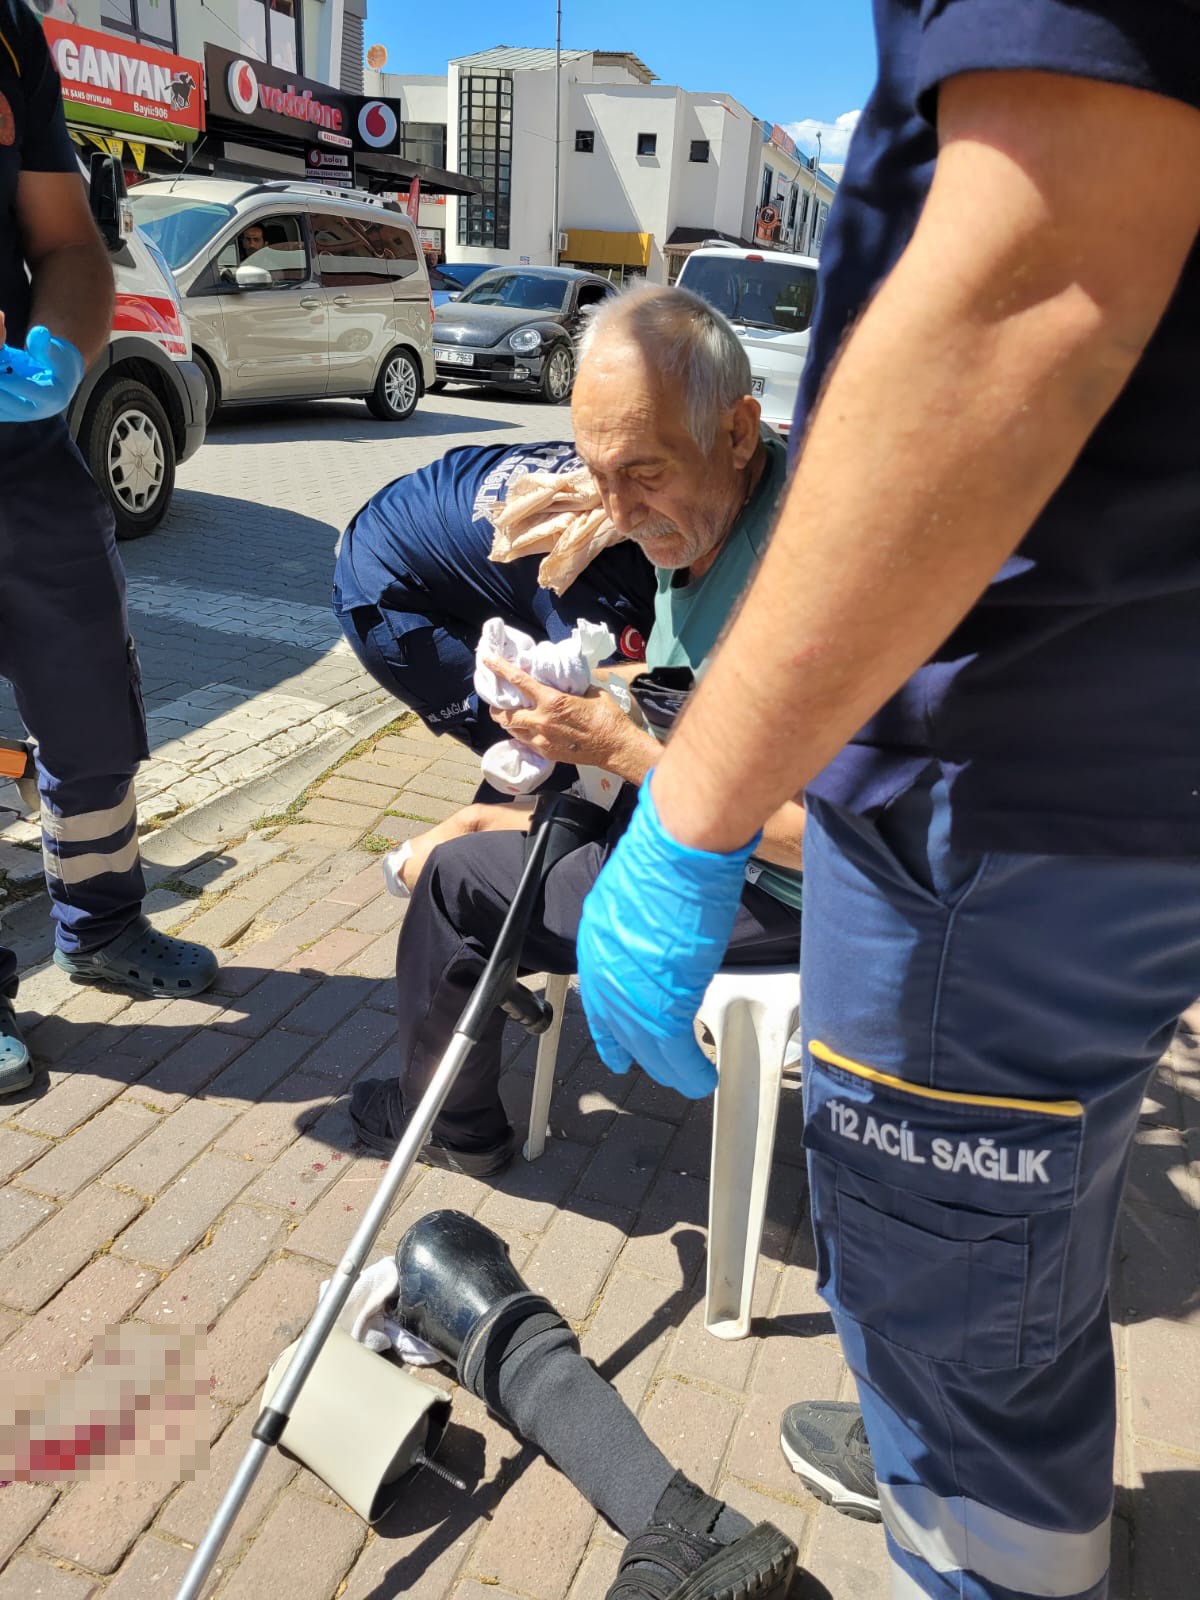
<point>942,1214</point>
<point>950,1299</point>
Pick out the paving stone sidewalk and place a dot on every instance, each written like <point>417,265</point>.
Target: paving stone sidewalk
<point>190,1162</point>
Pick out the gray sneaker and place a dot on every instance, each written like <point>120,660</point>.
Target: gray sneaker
<point>825,1442</point>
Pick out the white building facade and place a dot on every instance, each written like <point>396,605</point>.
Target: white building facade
<point>320,39</point>
<point>647,171</point>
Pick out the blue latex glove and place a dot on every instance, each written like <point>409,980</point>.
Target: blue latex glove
<point>39,381</point>
<point>654,932</point>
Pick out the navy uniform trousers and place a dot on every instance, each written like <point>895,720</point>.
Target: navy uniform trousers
<point>450,929</point>
<point>65,647</point>
<point>979,1031</point>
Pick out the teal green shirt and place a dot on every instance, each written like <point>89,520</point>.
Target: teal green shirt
<point>690,617</point>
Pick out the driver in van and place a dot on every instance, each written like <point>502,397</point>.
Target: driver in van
<point>251,240</point>
<point>64,638</point>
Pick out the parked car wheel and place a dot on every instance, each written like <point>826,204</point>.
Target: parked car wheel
<point>397,388</point>
<point>212,394</point>
<point>558,374</point>
<point>128,445</point>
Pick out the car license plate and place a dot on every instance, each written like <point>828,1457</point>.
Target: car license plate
<point>756,385</point>
<point>455,358</point>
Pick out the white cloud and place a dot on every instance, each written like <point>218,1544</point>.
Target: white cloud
<point>835,136</point>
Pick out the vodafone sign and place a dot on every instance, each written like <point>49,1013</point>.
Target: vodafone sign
<point>241,83</point>
<point>377,125</point>
<point>251,94</point>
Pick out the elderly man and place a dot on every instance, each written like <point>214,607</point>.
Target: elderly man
<point>665,421</point>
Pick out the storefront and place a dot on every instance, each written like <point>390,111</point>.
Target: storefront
<point>144,105</point>
<point>266,122</point>
<point>617,256</point>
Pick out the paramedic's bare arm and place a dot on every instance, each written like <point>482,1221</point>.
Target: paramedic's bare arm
<point>956,409</point>
<point>67,260</point>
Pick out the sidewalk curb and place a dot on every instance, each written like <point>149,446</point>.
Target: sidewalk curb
<point>196,835</point>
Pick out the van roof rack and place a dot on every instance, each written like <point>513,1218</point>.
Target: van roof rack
<point>314,186</point>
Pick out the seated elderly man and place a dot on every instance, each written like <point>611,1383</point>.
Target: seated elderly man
<point>665,420</point>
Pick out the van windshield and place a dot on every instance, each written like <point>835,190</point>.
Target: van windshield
<point>179,226</point>
<point>757,294</point>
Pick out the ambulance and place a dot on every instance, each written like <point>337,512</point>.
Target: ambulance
<point>140,409</point>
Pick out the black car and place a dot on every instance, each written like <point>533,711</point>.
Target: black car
<point>517,327</point>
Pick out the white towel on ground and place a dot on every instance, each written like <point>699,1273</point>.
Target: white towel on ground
<point>367,1315</point>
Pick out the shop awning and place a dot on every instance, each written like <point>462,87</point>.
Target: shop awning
<point>389,172</point>
<point>689,238</point>
<point>600,249</point>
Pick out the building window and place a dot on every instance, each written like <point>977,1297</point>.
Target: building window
<point>585,141</point>
<point>485,152</point>
<point>647,144</point>
<point>699,150</point>
<point>791,221</point>
<point>424,142</point>
<point>764,198</point>
<point>269,31</point>
<point>147,21</point>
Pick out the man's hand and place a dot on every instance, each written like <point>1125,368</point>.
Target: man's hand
<point>654,931</point>
<point>39,381</point>
<point>585,730</point>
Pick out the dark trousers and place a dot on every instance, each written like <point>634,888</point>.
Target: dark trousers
<point>451,927</point>
<point>65,647</point>
<point>980,1029</point>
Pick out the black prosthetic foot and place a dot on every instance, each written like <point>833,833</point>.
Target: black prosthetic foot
<point>455,1281</point>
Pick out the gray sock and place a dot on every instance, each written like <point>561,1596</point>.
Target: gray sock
<point>529,1369</point>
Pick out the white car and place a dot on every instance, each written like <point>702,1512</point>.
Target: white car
<point>768,296</point>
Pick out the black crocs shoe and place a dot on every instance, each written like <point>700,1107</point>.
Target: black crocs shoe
<point>825,1443</point>
<point>677,1558</point>
<point>377,1114</point>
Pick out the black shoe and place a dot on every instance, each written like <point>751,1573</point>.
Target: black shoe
<point>677,1557</point>
<point>377,1112</point>
<point>16,1064</point>
<point>826,1443</point>
<point>455,1281</point>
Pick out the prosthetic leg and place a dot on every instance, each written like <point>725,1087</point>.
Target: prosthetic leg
<point>511,1348</point>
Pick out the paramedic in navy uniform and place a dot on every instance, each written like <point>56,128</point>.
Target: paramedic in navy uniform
<point>64,641</point>
<point>974,643</point>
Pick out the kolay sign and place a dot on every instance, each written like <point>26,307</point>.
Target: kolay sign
<point>111,83</point>
<point>274,101</point>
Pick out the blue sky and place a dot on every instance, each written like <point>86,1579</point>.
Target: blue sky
<point>808,61</point>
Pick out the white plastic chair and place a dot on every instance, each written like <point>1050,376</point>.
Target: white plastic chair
<point>751,1013</point>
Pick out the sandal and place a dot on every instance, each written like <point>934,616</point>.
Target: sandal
<point>146,961</point>
<point>16,1064</point>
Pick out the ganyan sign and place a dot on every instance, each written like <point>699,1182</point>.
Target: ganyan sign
<point>108,82</point>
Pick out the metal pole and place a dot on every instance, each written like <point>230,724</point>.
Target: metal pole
<point>812,220</point>
<point>557,126</point>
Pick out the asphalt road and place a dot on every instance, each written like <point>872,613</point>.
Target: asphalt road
<point>242,660</point>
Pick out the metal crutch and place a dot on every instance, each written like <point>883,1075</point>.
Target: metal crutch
<point>567,823</point>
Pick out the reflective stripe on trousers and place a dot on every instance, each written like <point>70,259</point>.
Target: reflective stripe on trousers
<point>65,647</point>
<point>979,1031</point>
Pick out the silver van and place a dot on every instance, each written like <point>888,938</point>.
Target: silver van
<point>296,291</point>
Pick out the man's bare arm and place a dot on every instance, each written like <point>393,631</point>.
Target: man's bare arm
<point>956,409</point>
<point>68,262</point>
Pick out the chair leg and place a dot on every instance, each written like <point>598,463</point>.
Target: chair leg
<point>557,986</point>
<point>749,1072</point>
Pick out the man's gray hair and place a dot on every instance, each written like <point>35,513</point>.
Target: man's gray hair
<point>681,335</point>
